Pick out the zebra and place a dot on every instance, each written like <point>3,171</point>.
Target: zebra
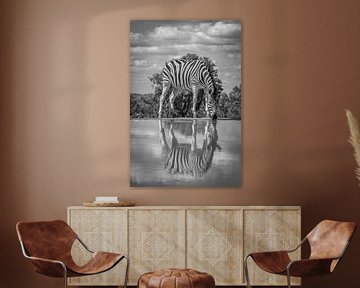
<point>186,158</point>
<point>191,76</point>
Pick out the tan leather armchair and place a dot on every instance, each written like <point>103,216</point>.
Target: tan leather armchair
<point>328,242</point>
<point>48,245</point>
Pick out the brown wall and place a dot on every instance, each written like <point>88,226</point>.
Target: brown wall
<point>65,112</point>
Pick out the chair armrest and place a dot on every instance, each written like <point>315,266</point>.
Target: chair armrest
<point>309,267</point>
<point>83,244</point>
<point>45,260</point>
<point>268,253</point>
<point>280,251</point>
<point>48,267</point>
<point>271,261</point>
<point>298,246</point>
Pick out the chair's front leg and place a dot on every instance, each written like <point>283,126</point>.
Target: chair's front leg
<point>246,270</point>
<point>288,274</point>
<point>127,270</point>
<point>288,280</point>
<point>65,275</point>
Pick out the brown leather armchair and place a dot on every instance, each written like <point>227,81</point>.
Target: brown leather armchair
<point>328,242</point>
<point>48,245</point>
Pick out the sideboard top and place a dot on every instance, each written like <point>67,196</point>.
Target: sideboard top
<point>193,207</point>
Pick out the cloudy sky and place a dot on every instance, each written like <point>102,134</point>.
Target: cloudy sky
<point>152,43</point>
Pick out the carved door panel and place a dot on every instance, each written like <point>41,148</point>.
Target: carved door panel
<point>101,230</point>
<point>156,240</point>
<point>270,230</point>
<point>214,244</point>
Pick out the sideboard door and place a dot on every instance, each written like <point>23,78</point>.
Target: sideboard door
<point>214,244</point>
<point>101,230</point>
<point>271,230</point>
<point>156,240</point>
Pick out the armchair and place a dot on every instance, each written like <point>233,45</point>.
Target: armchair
<point>48,245</point>
<point>328,242</point>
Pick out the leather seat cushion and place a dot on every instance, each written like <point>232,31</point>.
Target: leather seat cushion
<point>176,278</point>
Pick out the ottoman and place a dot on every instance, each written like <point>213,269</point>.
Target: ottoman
<point>176,278</point>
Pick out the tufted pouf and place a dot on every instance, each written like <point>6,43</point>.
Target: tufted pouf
<point>176,278</point>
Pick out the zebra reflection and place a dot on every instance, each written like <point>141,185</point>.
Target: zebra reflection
<point>187,158</point>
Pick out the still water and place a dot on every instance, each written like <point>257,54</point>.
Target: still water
<point>185,153</point>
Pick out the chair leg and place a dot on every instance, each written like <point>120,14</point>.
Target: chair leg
<point>288,278</point>
<point>127,271</point>
<point>65,276</point>
<point>246,272</point>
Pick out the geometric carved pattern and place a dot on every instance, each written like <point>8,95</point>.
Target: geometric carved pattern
<point>214,243</point>
<point>270,230</point>
<point>269,241</point>
<point>156,246</point>
<point>156,241</point>
<point>213,246</point>
<point>98,240</point>
<point>101,230</point>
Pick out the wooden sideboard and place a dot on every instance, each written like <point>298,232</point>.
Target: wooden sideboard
<point>213,239</point>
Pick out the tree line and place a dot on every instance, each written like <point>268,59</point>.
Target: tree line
<point>147,105</point>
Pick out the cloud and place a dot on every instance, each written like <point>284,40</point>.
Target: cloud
<point>140,62</point>
<point>143,65</point>
<point>140,49</point>
<point>215,33</point>
<point>155,66</point>
<point>185,47</point>
<point>168,33</point>
<point>180,34</point>
<point>222,29</point>
<point>233,55</point>
<point>136,38</point>
<point>181,49</point>
<point>173,56</point>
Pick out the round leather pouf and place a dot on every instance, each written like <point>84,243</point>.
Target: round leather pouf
<point>176,278</point>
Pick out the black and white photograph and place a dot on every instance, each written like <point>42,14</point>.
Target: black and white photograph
<point>185,103</point>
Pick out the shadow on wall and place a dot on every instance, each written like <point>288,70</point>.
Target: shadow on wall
<point>55,92</point>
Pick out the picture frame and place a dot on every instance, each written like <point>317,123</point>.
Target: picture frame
<point>185,103</point>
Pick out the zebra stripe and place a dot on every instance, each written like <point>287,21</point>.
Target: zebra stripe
<point>181,160</point>
<point>183,74</point>
<point>188,75</point>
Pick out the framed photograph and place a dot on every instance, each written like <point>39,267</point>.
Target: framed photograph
<point>185,103</point>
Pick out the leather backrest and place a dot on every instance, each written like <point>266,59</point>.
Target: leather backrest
<point>329,238</point>
<point>46,239</point>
